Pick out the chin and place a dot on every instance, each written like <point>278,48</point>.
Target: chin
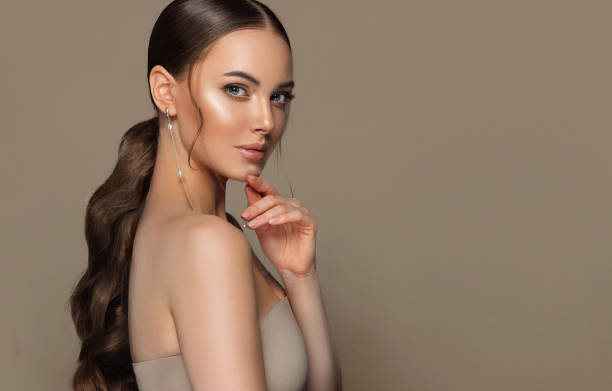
<point>241,175</point>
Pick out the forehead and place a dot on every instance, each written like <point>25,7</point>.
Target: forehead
<point>262,53</point>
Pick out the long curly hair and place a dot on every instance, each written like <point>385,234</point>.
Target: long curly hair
<point>98,304</point>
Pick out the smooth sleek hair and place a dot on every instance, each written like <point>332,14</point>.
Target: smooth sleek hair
<point>181,36</point>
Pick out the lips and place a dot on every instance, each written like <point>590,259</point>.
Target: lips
<point>254,146</point>
<point>252,154</point>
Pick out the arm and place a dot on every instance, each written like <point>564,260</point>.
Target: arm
<point>213,303</point>
<point>324,372</point>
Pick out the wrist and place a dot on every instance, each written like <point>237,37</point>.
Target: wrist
<point>289,276</point>
<point>300,285</point>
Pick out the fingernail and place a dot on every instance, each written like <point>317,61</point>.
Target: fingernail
<point>246,214</point>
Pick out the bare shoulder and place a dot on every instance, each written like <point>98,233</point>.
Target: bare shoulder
<point>178,245</point>
<point>212,300</point>
<point>197,240</point>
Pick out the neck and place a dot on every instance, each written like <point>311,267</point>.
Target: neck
<point>167,194</point>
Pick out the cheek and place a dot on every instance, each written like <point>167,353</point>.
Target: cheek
<point>221,111</point>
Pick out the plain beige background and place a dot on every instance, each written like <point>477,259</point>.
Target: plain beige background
<point>456,155</point>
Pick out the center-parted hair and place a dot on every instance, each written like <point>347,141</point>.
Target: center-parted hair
<point>181,36</point>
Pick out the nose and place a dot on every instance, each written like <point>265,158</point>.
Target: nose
<point>263,120</point>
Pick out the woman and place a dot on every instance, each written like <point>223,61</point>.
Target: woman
<point>204,313</point>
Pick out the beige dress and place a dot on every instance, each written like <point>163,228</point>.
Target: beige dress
<point>284,355</point>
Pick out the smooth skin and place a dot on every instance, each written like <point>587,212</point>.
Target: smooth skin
<point>183,261</point>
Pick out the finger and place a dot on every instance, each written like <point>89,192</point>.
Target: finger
<point>294,201</point>
<point>251,195</point>
<point>261,185</point>
<point>261,206</point>
<point>265,217</point>
<point>289,216</point>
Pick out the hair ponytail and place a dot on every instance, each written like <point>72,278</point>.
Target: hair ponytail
<point>99,301</point>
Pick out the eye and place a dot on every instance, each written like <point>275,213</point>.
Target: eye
<point>234,90</point>
<point>230,88</point>
<point>287,97</point>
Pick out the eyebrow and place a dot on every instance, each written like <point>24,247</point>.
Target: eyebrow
<point>245,75</point>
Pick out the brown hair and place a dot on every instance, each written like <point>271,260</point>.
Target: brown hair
<point>183,32</point>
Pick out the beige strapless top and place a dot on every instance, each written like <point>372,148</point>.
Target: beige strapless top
<point>284,355</point>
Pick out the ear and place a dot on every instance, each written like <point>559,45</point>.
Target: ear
<point>163,89</point>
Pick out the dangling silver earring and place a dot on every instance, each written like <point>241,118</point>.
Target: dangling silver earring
<point>180,172</point>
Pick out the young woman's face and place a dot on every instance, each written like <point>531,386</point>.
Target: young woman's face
<point>237,109</point>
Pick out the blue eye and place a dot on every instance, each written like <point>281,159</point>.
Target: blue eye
<point>288,96</point>
<point>233,88</point>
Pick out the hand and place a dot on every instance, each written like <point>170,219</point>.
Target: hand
<point>286,230</point>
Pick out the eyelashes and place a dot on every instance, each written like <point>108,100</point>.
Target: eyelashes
<point>233,87</point>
